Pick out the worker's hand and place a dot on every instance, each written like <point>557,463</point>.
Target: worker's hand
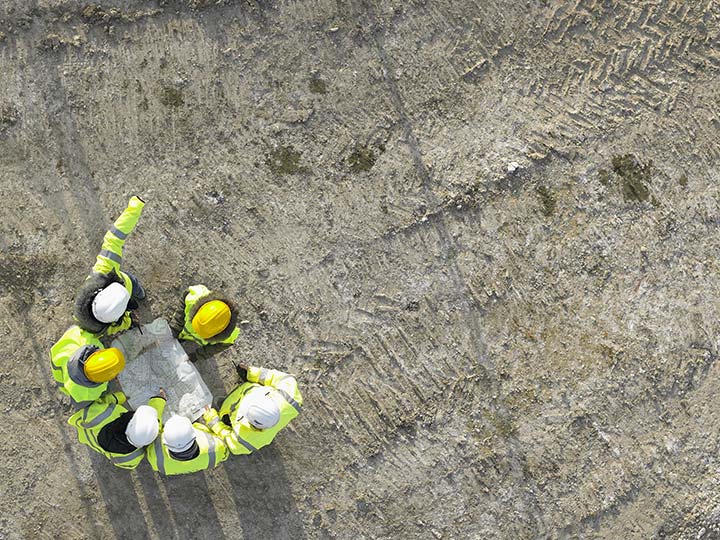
<point>161,393</point>
<point>242,370</point>
<point>209,414</point>
<point>119,326</point>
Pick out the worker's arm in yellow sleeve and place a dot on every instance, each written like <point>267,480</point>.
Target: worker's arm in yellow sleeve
<point>158,403</point>
<point>123,324</point>
<point>110,255</point>
<point>114,398</point>
<point>221,449</point>
<point>282,382</point>
<point>225,432</point>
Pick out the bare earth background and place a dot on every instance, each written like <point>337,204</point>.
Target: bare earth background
<point>483,354</point>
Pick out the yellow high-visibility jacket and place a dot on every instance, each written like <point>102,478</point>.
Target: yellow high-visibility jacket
<point>90,420</point>
<point>197,296</point>
<point>106,271</point>
<point>212,452</point>
<point>241,437</point>
<point>67,370</point>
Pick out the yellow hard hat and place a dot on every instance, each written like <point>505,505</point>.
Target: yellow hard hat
<point>211,319</point>
<point>104,365</point>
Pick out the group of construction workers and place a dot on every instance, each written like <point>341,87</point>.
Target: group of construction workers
<point>248,418</point>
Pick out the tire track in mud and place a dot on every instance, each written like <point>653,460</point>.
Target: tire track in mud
<point>424,174</point>
<point>448,248</point>
<point>597,65</point>
<point>376,396</point>
<point>628,58</point>
<point>469,201</point>
<point>642,36</point>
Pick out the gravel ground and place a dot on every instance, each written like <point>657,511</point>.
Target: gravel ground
<point>481,234</point>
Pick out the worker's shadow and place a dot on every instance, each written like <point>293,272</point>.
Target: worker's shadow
<point>259,482</point>
<point>263,497</point>
<point>178,507</point>
<point>121,501</point>
<point>181,506</point>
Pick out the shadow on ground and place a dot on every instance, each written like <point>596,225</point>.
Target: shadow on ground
<point>262,496</point>
<point>182,504</point>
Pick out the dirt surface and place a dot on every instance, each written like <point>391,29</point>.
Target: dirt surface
<point>482,234</point>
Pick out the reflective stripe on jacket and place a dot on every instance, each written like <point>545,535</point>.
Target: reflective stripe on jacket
<point>111,253</point>
<point>241,437</point>
<point>90,420</point>
<point>81,391</point>
<point>212,452</point>
<point>197,296</point>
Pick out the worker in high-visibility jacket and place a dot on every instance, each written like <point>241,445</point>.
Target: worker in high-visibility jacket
<point>254,413</point>
<point>185,447</point>
<point>209,317</point>
<point>120,435</point>
<point>104,300</point>
<point>82,367</point>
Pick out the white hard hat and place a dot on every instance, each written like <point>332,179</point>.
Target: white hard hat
<point>110,303</point>
<point>143,426</point>
<point>178,434</point>
<point>259,408</point>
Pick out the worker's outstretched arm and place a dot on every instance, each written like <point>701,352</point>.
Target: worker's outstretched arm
<point>111,253</point>
<point>226,433</point>
<point>282,382</point>
<point>158,403</point>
